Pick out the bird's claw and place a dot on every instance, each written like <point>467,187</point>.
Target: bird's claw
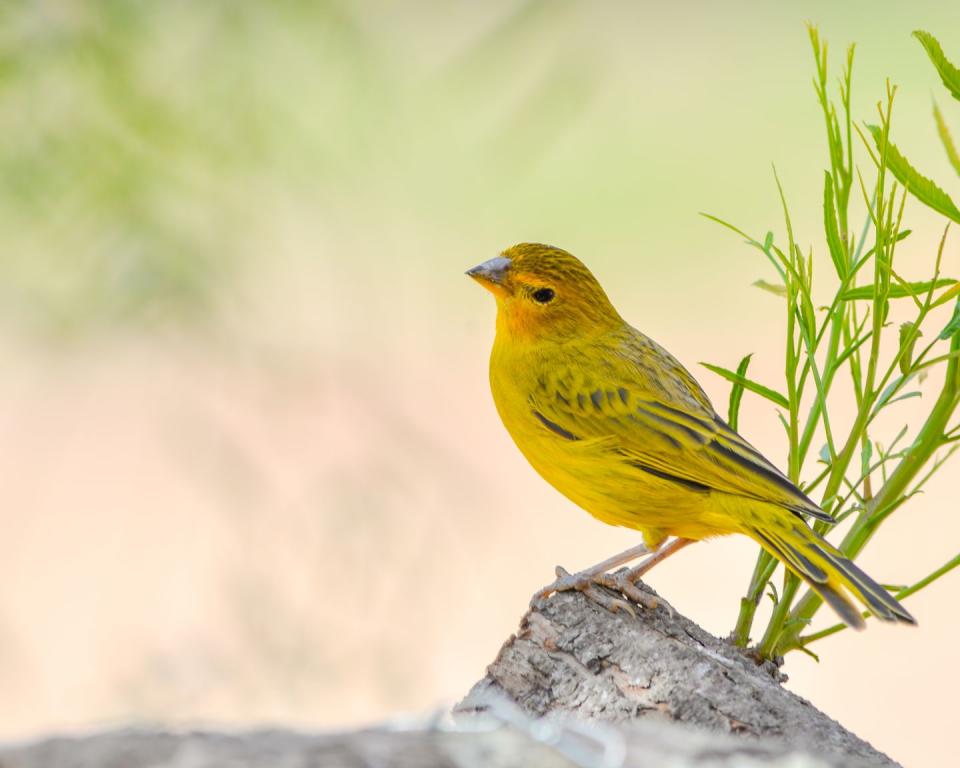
<point>622,581</point>
<point>565,581</point>
<point>590,584</point>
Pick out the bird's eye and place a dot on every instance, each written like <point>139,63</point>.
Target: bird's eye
<point>543,295</point>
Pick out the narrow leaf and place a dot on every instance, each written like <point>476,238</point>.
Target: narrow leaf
<point>728,225</point>
<point>903,234</point>
<point>803,649</point>
<point>736,393</point>
<point>783,422</point>
<point>775,288</point>
<point>905,396</point>
<point>899,290</point>
<point>770,394</point>
<point>866,454</point>
<point>830,227</point>
<point>946,139</point>
<point>909,334</point>
<point>887,396</point>
<point>949,74</point>
<point>772,593</point>
<point>764,247</point>
<point>925,190</point>
<point>841,359</point>
<point>954,325</point>
<point>947,295</point>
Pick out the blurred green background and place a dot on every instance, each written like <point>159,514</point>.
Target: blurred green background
<point>249,467</point>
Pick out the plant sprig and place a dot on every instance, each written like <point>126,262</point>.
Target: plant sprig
<point>853,334</point>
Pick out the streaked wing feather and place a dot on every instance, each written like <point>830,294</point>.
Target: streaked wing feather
<point>672,431</point>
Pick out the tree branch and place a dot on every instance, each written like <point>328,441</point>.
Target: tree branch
<point>571,656</point>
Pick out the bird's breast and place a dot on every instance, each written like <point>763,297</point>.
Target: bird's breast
<point>580,467</point>
<point>538,396</point>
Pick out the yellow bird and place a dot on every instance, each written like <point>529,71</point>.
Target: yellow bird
<point>611,420</point>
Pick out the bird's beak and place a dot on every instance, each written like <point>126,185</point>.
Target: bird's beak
<point>491,274</point>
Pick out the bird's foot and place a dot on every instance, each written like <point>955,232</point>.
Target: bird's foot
<point>624,582</point>
<point>596,587</point>
<point>587,581</point>
<point>597,582</point>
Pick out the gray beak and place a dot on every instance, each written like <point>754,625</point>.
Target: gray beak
<point>491,271</point>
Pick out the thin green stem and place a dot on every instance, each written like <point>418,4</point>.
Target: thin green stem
<point>929,438</point>
<point>762,571</point>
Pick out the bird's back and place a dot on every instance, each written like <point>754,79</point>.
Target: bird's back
<point>618,409</point>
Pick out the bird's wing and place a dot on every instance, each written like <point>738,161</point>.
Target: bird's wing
<point>652,410</point>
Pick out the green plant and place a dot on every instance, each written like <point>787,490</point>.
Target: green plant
<point>857,476</point>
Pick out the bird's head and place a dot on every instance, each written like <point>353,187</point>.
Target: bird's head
<point>544,292</point>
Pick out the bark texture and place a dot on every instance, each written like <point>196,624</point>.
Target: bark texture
<point>572,656</point>
<point>568,744</point>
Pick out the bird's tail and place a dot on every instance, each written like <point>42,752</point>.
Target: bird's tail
<point>826,570</point>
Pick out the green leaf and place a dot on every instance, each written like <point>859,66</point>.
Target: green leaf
<point>783,422</point>
<point>903,234</point>
<point>946,139</point>
<point>842,358</point>
<point>898,290</point>
<point>887,396</point>
<point>738,378</point>
<point>949,74</point>
<point>830,227</point>
<point>954,325</point>
<point>729,226</point>
<point>772,593</point>
<point>948,294</point>
<point>765,246</point>
<point>905,396</point>
<point>925,190</point>
<point>808,652</point>
<point>909,334</point>
<point>736,393</point>
<point>866,454</point>
<point>775,288</point>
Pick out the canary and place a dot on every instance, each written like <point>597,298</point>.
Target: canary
<point>611,420</point>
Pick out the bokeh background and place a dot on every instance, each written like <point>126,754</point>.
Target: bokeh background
<point>250,470</point>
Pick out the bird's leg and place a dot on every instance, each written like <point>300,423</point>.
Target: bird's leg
<point>625,580</point>
<point>586,581</point>
<point>659,556</point>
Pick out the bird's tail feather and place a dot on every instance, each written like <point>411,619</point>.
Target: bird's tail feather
<point>828,572</point>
